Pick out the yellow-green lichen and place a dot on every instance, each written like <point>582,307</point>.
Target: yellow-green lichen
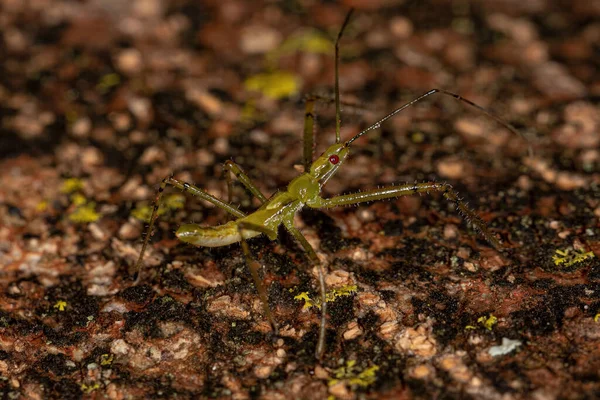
<point>174,201</point>
<point>308,302</point>
<point>84,213</point>
<point>60,305</point>
<point>71,185</point>
<point>597,317</point>
<point>488,322</point>
<point>417,137</point>
<point>78,199</point>
<point>311,41</point>
<point>143,212</point>
<point>346,290</point>
<point>570,257</point>
<point>250,112</point>
<point>85,388</point>
<point>108,81</point>
<point>106,359</point>
<point>349,374</point>
<point>71,116</point>
<point>278,84</point>
<point>41,206</point>
<point>330,296</point>
<point>275,84</point>
<point>171,202</point>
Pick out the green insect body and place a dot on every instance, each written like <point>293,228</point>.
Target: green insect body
<point>279,209</point>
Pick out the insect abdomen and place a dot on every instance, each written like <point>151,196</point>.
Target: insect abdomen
<point>212,236</point>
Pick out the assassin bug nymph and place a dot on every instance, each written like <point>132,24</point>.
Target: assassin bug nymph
<point>280,208</point>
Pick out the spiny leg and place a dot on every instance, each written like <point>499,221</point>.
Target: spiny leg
<point>289,224</point>
<point>254,266</point>
<point>233,168</point>
<point>186,187</point>
<point>404,190</point>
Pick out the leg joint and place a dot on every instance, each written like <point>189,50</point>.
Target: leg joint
<point>229,164</point>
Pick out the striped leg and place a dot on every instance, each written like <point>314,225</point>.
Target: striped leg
<point>404,190</point>
<point>187,188</point>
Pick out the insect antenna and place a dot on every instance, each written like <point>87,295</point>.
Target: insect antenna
<point>482,110</point>
<point>338,111</point>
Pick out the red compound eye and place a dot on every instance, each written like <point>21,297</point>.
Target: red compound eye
<point>334,159</point>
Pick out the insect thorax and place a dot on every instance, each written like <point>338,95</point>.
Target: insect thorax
<point>305,188</point>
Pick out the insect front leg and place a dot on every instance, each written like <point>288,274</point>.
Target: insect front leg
<point>289,224</point>
<point>231,167</point>
<point>187,188</point>
<point>310,116</point>
<point>254,266</point>
<point>404,190</point>
<point>309,126</point>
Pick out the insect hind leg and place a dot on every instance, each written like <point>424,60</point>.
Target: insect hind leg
<point>289,224</point>
<point>254,266</point>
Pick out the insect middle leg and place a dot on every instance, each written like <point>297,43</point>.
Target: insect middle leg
<point>254,266</point>
<point>187,188</point>
<point>231,167</point>
<point>289,224</point>
<point>404,190</point>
